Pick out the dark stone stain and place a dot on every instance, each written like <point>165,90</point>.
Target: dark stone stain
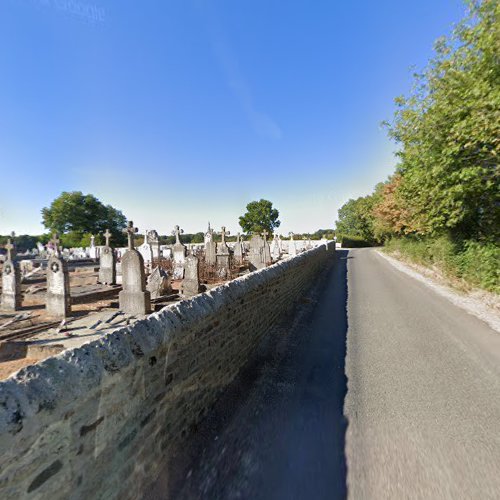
<point>152,361</point>
<point>147,418</point>
<point>45,475</point>
<point>85,429</point>
<point>169,378</point>
<point>127,439</point>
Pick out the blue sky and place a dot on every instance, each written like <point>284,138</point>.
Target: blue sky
<point>180,112</point>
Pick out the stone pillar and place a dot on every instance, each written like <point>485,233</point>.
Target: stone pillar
<point>292,249</point>
<point>134,298</point>
<point>58,298</point>
<point>191,281</point>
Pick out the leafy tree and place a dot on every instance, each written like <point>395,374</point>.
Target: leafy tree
<point>75,216</point>
<point>260,216</point>
<point>449,132</point>
<point>356,218</point>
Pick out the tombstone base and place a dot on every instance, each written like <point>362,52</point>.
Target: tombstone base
<point>58,305</point>
<point>135,302</point>
<point>10,302</point>
<point>107,276</point>
<point>190,288</point>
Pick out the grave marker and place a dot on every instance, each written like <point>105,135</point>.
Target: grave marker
<point>58,298</point>
<point>191,281</point>
<point>11,280</point>
<point>223,256</point>
<point>134,298</point>
<point>107,262</point>
<point>179,252</point>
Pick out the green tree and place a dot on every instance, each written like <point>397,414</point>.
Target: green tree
<point>356,219</point>
<point>449,132</point>
<point>260,216</point>
<point>75,216</point>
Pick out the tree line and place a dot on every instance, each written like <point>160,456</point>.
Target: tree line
<point>446,186</point>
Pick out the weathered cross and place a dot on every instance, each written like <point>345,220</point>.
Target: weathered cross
<point>223,234</point>
<point>265,234</point>
<point>55,243</point>
<point>130,231</point>
<point>9,246</point>
<point>107,235</point>
<point>177,232</point>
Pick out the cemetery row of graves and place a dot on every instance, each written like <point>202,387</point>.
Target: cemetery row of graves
<point>54,298</point>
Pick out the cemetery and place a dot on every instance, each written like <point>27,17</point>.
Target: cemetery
<point>110,356</point>
<point>53,298</point>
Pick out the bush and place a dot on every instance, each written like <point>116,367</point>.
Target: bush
<point>354,242</point>
<point>476,263</point>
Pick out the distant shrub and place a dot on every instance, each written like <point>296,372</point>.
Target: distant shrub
<point>354,242</point>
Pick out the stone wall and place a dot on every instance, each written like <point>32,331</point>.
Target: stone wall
<point>99,420</point>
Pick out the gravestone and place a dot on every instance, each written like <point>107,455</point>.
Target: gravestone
<point>266,251</point>
<point>153,239</point>
<point>210,247</point>
<point>92,251</point>
<point>238,250</point>
<point>146,252</point>
<point>292,249</point>
<point>276,247</point>
<point>179,254</point>
<point>11,280</point>
<point>158,283</point>
<point>134,298</point>
<point>255,254</point>
<point>58,298</point>
<point>191,282</point>
<point>107,262</point>
<point>223,256</point>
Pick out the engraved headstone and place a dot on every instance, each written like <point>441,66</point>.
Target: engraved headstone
<point>179,253</point>
<point>191,281</point>
<point>11,280</point>
<point>223,256</point>
<point>210,247</point>
<point>107,262</point>
<point>58,299</point>
<point>134,298</point>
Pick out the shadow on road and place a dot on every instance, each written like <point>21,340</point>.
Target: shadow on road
<point>279,431</point>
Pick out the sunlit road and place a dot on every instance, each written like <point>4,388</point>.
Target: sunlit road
<point>423,401</point>
<point>418,415</point>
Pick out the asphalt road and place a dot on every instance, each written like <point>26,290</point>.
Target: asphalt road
<point>380,389</point>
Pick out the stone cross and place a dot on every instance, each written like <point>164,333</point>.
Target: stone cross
<point>177,232</point>
<point>107,235</point>
<point>223,234</point>
<point>9,246</point>
<point>130,232</point>
<point>55,242</point>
